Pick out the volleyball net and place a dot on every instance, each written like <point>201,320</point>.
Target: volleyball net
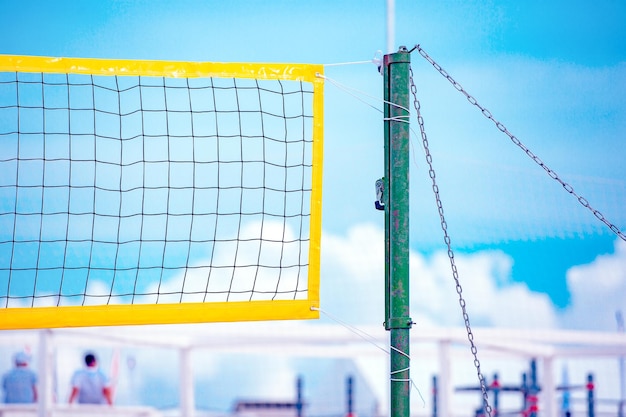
<point>139,192</point>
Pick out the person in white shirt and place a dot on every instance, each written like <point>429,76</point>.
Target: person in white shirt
<point>20,383</point>
<point>90,385</point>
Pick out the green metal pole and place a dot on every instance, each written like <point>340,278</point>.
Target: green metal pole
<point>396,69</point>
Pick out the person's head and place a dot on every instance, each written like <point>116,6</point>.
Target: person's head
<point>90,360</point>
<point>21,359</point>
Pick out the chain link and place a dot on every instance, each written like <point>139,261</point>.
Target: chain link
<point>567,187</point>
<point>446,238</point>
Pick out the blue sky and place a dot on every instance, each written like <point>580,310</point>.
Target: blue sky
<point>553,72</point>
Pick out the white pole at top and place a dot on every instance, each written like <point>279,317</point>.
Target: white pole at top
<point>391,17</point>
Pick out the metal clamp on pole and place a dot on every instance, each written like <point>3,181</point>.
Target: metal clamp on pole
<point>398,323</point>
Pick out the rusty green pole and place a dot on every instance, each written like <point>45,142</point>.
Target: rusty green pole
<point>396,69</point>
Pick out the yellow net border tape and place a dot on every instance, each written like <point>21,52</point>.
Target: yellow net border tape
<point>154,68</point>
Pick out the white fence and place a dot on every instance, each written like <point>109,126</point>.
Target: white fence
<point>32,410</point>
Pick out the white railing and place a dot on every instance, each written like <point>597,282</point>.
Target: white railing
<point>32,410</point>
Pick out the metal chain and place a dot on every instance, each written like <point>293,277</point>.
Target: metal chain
<point>446,238</point>
<point>583,201</point>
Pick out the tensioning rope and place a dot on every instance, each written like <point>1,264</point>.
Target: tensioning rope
<point>372,340</point>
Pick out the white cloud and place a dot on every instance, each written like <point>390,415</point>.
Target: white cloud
<point>353,275</point>
<point>238,268</point>
<point>597,290</point>
<point>353,285</point>
<point>492,298</point>
<point>97,291</point>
